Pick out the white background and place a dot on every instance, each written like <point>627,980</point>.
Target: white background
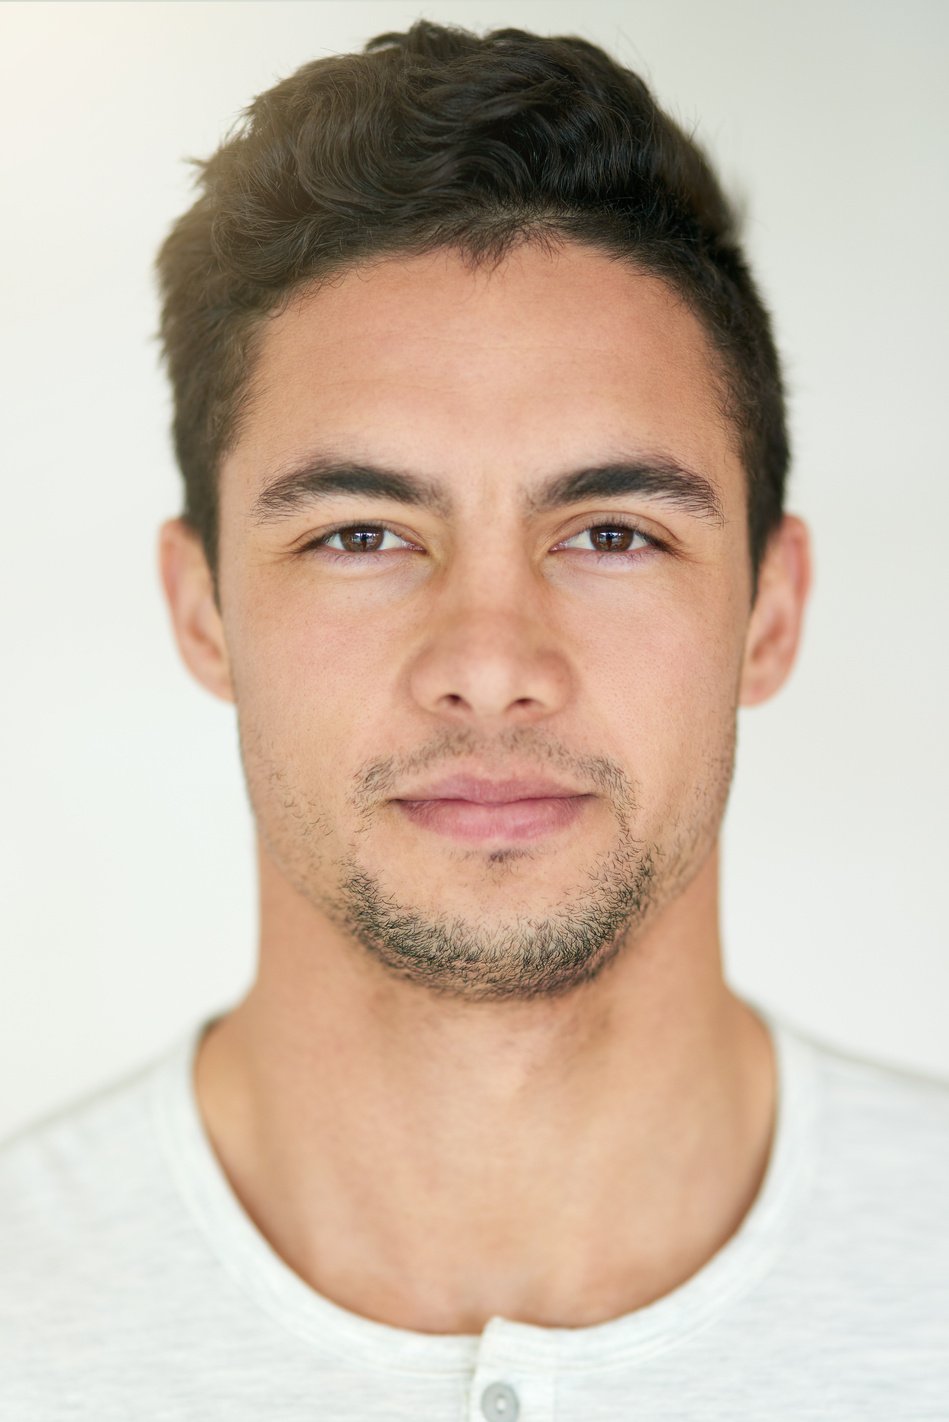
<point>128,906</point>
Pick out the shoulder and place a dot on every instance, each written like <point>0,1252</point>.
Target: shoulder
<point>96,1251</point>
<point>76,1146</point>
<point>881,1135</point>
<point>77,1189</point>
<point>870,1099</point>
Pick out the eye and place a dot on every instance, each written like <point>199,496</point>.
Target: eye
<point>615,539</point>
<point>355,539</point>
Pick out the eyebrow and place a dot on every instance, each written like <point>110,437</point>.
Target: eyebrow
<point>321,477</point>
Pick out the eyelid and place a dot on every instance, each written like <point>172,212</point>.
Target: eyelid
<point>366,524</point>
<point>634,525</point>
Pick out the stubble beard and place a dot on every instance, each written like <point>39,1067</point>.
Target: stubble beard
<point>514,957</point>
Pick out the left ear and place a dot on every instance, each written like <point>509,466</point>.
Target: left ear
<point>774,629</point>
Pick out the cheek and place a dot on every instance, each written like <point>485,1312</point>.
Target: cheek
<point>665,681</point>
<point>656,673</point>
<point>293,681</point>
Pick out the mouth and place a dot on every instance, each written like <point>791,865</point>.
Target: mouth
<point>479,820</point>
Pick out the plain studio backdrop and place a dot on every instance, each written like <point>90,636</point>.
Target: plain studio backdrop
<point>129,901</point>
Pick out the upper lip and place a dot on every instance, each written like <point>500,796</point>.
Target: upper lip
<point>491,792</point>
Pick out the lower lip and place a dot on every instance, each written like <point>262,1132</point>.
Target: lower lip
<point>517,819</point>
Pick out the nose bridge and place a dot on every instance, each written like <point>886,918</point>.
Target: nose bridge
<point>490,648</point>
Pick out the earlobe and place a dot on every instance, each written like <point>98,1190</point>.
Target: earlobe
<point>196,619</point>
<point>774,629</point>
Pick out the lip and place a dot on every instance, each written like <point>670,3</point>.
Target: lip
<point>493,819</point>
<point>473,808</point>
<point>479,791</point>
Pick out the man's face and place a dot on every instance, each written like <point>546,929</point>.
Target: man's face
<point>597,642</point>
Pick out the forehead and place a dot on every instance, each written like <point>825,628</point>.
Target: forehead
<point>492,374</point>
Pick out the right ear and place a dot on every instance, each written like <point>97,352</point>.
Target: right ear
<point>189,590</point>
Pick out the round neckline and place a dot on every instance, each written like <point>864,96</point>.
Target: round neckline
<point>262,1274</point>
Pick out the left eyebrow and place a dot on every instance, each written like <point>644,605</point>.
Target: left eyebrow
<point>323,477</point>
<point>657,477</point>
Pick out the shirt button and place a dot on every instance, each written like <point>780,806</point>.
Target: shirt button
<point>499,1403</point>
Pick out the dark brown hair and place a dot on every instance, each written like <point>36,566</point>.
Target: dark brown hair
<point>442,138</point>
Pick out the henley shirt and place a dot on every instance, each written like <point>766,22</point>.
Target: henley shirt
<point>134,1287</point>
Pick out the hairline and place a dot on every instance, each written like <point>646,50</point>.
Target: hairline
<point>246,394</point>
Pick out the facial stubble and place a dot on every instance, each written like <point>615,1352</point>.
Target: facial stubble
<point>515,956</point>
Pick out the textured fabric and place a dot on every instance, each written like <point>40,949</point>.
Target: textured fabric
<point>134,1286</point>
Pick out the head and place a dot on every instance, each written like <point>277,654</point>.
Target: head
<point>482,433</point>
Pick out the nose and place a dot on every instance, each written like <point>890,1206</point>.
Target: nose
<point>491,661</point>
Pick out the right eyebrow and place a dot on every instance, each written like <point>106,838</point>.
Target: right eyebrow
<point>320,477</point>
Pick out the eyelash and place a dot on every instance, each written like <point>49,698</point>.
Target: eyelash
<point>338,555</point>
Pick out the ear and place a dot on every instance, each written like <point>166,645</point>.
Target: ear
<point>774,629</point>
<point>189,590</point>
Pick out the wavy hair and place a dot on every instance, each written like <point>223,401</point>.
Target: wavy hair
<point>440,138</point>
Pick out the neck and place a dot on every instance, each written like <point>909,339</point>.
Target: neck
<point>431,1163</point>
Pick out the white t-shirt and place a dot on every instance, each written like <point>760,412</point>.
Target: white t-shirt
<point>133,1286</point>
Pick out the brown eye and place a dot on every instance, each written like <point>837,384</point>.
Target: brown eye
<point>613,540</point>
<point>361,540</point>
<point>616,538</point>
<point>354,539</point>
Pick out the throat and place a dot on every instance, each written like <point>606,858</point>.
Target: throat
<point>435,1215</point>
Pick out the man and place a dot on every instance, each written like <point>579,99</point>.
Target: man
<point>481,426</point>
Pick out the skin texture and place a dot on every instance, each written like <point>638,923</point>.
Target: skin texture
<point>503,1078</point>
